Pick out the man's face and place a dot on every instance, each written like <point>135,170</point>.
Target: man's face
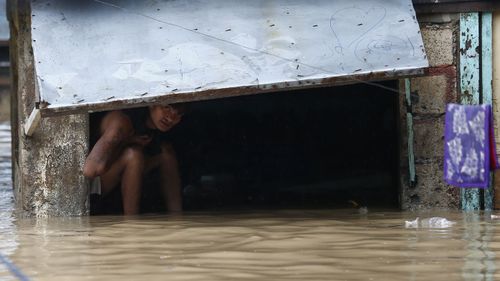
<point>164,117</point>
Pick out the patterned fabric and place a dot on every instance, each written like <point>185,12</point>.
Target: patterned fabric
<point>469,148</point>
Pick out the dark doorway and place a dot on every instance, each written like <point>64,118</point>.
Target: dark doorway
<point>310,148</point>
<point>314,148</point>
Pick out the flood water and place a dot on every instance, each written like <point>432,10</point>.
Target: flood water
<point>252,245</point>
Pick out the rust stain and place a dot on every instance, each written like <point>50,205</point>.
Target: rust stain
<point>450,73</point>
<point>43,104</point>
<point>466,95</point>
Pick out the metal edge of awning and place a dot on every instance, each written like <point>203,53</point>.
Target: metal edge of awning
<point>455,6</point>
<point>170,98</point>
<point>206,93</point>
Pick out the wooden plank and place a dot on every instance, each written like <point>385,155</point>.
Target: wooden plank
<point>210,94</point>
<point>496,98</point>
<point>32,122</point>
<point>487,84</point>
<point>409,123</point>
<point>469,85</point>
<point>487,57</point>
<point>496,185</point>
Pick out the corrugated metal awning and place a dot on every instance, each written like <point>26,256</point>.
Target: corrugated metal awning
<point>99,55</point>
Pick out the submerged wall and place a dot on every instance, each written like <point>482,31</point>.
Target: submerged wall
<point>429,97</point>
<point>47,166</point>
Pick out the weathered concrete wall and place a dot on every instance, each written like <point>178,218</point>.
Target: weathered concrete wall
<point>47,166</point>
<point>431,93</point>
<point>4,104</point>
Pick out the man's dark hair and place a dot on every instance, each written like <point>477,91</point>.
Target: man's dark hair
<point>182,107</point>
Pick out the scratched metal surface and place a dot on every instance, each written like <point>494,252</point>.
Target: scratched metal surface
<point>100,52</point>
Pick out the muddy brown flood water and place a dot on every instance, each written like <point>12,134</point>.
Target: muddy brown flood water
<point>260,245</point>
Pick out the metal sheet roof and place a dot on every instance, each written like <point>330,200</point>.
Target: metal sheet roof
<point>98,55</point>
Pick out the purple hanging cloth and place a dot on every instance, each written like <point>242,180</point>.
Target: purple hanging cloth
<point>469,145</point>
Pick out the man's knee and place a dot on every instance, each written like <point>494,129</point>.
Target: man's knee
<point>168,158</point>
<point>133,156</point>
<point>168,152</point>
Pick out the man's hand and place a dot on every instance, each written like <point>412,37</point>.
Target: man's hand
<point>141,140</point>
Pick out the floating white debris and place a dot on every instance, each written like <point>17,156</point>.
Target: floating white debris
<point>434,222</point>
<point>363,210</point>
<point>495,217</point>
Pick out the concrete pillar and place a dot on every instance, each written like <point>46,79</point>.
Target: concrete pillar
<point>47,166</point>
<point>430,94</point>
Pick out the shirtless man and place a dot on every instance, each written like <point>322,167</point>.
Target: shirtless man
<point>128,148</point>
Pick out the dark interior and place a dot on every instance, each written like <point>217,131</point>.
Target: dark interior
<point>314,148</point>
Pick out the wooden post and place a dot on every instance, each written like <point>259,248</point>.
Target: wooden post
<point>496,97</point>
<point>470,85</point>
<point>487,85</point>
<point>409,123</point>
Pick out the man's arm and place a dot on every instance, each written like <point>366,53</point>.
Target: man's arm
<point>115,129</point>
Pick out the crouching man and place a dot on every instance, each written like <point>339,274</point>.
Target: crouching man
<point>128,148</point>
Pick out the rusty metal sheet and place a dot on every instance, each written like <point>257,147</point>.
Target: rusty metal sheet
<point>98,55</point>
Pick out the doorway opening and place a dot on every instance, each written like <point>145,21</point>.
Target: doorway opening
<point>313,148</point>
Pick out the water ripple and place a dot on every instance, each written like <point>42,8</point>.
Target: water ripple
<point>6,203</point>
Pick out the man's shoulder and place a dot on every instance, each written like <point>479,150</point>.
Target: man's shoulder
<point>116,118</point>
<point>117,115</point>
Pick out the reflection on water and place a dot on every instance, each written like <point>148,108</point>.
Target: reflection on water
<point>5,170</point>
<point>8,242</point>
<point>273,245</point>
